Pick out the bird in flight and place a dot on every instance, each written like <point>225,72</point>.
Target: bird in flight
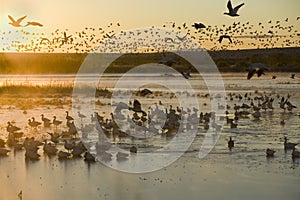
<point>198,26</point>
<point>233,11</point>
<point>256,68</point>
<point>66,38</point>
<point>186,74</point>
<point>226,37</point>
<point>16,23</point>
<point>34,24</point>
<point>182,38</point>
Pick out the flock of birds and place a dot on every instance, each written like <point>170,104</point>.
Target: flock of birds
<point>133,121</point>
<point>157,120</point>
<point>270,35</point>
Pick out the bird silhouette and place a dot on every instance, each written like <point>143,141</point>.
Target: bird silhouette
<point>14,22</point>
<point>226,37</point>
<point>137,107</point>
<point>256,68</point>
<point>187,74</point>
<point>66,38</point>
<point>34,24</point>
<point>198,26</point>
<point>145,92</point>
<point>230,143</point>
<point>233,11</point>
<point>270,152</point>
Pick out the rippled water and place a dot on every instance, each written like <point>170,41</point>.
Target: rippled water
<point>243,173</point>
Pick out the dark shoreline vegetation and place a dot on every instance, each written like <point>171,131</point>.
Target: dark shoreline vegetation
<point>278,59</point>
<point>47,90</point>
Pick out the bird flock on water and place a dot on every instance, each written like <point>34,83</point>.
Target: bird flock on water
<point>134,120</point>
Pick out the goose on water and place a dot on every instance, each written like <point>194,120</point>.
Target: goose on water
<point>270,152</point>
<point>89,157</point>
<point>63,155</point>
<point>295,154</point>
<point>288,145</point>
<point>230,143</point>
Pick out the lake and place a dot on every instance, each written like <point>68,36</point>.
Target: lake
<point>242,173</point>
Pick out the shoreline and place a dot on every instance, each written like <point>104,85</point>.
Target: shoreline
<point>279,60</point>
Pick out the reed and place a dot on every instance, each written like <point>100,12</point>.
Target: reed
<point>50,88</point>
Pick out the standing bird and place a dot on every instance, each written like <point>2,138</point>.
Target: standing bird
<point>16,23</point>
<point>256,68</point>
<point>230,143</point>
<point>292,76</point>
<point>47,122</point>
<point>233,11</point>
<point>80,115</point>
<point>288,145</point>
<point>68,117</point>
<point>270,152</point>
<point>56,122</point>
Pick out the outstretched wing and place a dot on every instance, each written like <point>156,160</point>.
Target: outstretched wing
<point>229,6</point>
<point>137,105</point>
<point>260,72</point>
<point>250,73</point>
<point>11,19</point>
<point>20,19</point>
<point>221,38</point>
<point>238,7</point>
<point>185,75</point>
<point>35,24</point>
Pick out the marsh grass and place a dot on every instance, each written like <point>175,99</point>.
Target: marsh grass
<point>26,95</point>
<point>47,89</point>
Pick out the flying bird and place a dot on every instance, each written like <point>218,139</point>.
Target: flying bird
<point>181,38</point>
<point>198,25</point>
<point>137,107</point>
<point>66,38</point>
<point>34,24</point>
<point>45,40</point>
<point>167,61</point>
<point>187,74</point>
<point>233,11</point>
<point>256,68</point>
<point>16,23</point>
<point>145,92</point>
<point>167,39</point>
<point>226,37</point>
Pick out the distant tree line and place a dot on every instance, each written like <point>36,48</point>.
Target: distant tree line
<point>279,60</point>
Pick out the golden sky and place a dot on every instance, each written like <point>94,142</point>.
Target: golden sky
<point>75,15</point>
